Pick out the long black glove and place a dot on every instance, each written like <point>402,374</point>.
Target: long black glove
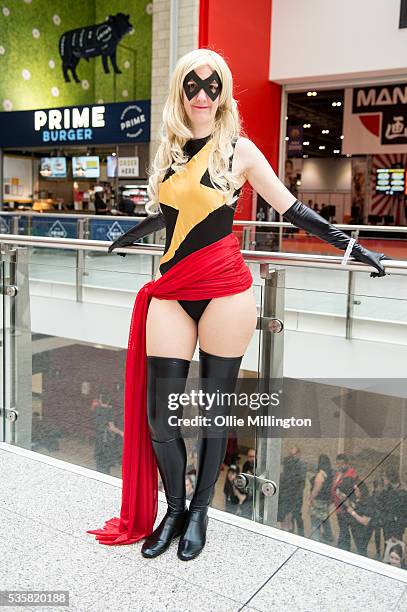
<point>306,218</point>
<point>150,224</point>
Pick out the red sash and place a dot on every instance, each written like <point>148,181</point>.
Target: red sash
<point>213,271</point>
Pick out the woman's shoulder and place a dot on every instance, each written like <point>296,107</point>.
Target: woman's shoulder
<point>247,152</point>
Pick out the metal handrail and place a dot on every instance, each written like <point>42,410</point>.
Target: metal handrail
<point>380,228</point>
<point>310,260</point>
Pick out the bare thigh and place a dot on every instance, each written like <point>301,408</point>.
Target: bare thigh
<point>228,323</point>
<point>170,331</point>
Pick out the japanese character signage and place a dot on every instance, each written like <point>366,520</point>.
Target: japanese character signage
<point>375,119</point>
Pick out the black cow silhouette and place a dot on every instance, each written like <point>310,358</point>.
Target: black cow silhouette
<point>100,39</point>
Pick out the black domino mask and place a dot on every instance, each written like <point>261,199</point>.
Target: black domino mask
<point>192,89</point>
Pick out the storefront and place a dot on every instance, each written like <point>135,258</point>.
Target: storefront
<point>77,158</point>
<point>75,100</point>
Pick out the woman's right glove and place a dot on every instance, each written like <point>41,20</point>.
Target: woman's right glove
<point>150,224</point>
<point>306,218</point>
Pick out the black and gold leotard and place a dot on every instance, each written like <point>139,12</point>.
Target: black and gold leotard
<point>195,213</point>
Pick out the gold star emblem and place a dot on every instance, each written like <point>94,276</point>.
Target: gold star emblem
<point>194,201</point>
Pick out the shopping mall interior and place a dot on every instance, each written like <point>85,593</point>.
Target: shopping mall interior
<point>309,514</point>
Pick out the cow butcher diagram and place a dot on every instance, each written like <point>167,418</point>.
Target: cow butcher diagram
<point>100,39</point>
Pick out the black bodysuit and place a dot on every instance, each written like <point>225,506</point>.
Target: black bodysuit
<point>195,213</point>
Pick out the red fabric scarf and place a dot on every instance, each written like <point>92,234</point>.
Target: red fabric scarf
<point>212,271</point>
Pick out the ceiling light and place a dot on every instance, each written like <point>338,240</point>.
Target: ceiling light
<point>286,138</point>
<point>342,137</point>
<point>321,147</point>
<point>306,125</point>
<point>325,131</point>
<point>337,151</point>
<point>305,143</point>
<point>305,155</point>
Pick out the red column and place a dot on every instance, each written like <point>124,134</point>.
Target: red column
<point>240,31</point>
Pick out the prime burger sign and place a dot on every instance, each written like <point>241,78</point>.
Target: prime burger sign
<point>69,124</point>
<point>92,124</point>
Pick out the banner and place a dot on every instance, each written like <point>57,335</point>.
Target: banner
<point>375,120</point>
<point>85,125</point>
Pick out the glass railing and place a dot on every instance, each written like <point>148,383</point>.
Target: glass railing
<point>66,314</point>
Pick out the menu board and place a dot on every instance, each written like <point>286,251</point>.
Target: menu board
<point>53,167</point>
<point>390,181</point>
<point>85,167</point>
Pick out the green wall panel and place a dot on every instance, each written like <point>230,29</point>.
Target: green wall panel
<point>31,68</point>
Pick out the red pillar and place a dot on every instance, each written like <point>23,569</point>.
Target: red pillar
<point>240,31</point>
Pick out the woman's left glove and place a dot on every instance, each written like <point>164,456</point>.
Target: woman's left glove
<point>306,218</point>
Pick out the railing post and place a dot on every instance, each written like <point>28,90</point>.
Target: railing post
<point>268,450</point>
<point>80,262</point>
<point>17,351</point>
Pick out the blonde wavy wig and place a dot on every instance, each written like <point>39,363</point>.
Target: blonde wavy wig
<point>175,129</point>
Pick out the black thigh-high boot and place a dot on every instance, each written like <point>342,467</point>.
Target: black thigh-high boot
<point>216,373</point>
<point>167,375</point>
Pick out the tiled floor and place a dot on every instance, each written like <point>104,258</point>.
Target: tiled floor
<point>45,512</point>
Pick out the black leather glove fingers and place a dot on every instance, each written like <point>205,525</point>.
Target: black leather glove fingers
<point>371,258</point>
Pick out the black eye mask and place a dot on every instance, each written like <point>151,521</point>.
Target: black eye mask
<point>192,89</point>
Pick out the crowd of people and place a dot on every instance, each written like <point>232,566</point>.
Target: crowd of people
<point>338,494</point>
<point>336,498</point>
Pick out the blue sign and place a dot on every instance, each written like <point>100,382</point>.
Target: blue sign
<point>103,229</point>
<point>93,124</point>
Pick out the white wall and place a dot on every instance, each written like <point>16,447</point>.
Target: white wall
<point>326,174</point>
<point>321,39</point>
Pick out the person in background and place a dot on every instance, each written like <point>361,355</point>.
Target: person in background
<point>100,205</point>
<point>320,499</point>
<point>360,507</point>
<point>396,557</point>
<point>299,475</point>
<point>343,470</point>
<point>190,480</point>
<point>126,207</point>
<point>236,501</point>
<point>377,497</point>
<point>105,432</point>
<point>249,464</point>
<point>394,501</point>
<point>325,211</point>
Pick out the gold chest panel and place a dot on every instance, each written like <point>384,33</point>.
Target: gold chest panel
<point>194,201</point>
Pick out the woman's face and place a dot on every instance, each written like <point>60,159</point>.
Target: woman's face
<point>201,109</point>
<point>394,559</point>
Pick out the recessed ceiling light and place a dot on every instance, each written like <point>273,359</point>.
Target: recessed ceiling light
<point>321,147</point>
<point>305,143</point>
<point>342,137</point>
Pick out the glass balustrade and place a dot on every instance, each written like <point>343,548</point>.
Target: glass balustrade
<point>330,344</point>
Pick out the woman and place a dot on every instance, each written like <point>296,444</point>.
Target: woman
<point>203,291</point>
<point>396,557</point>
<point>320,499</point>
